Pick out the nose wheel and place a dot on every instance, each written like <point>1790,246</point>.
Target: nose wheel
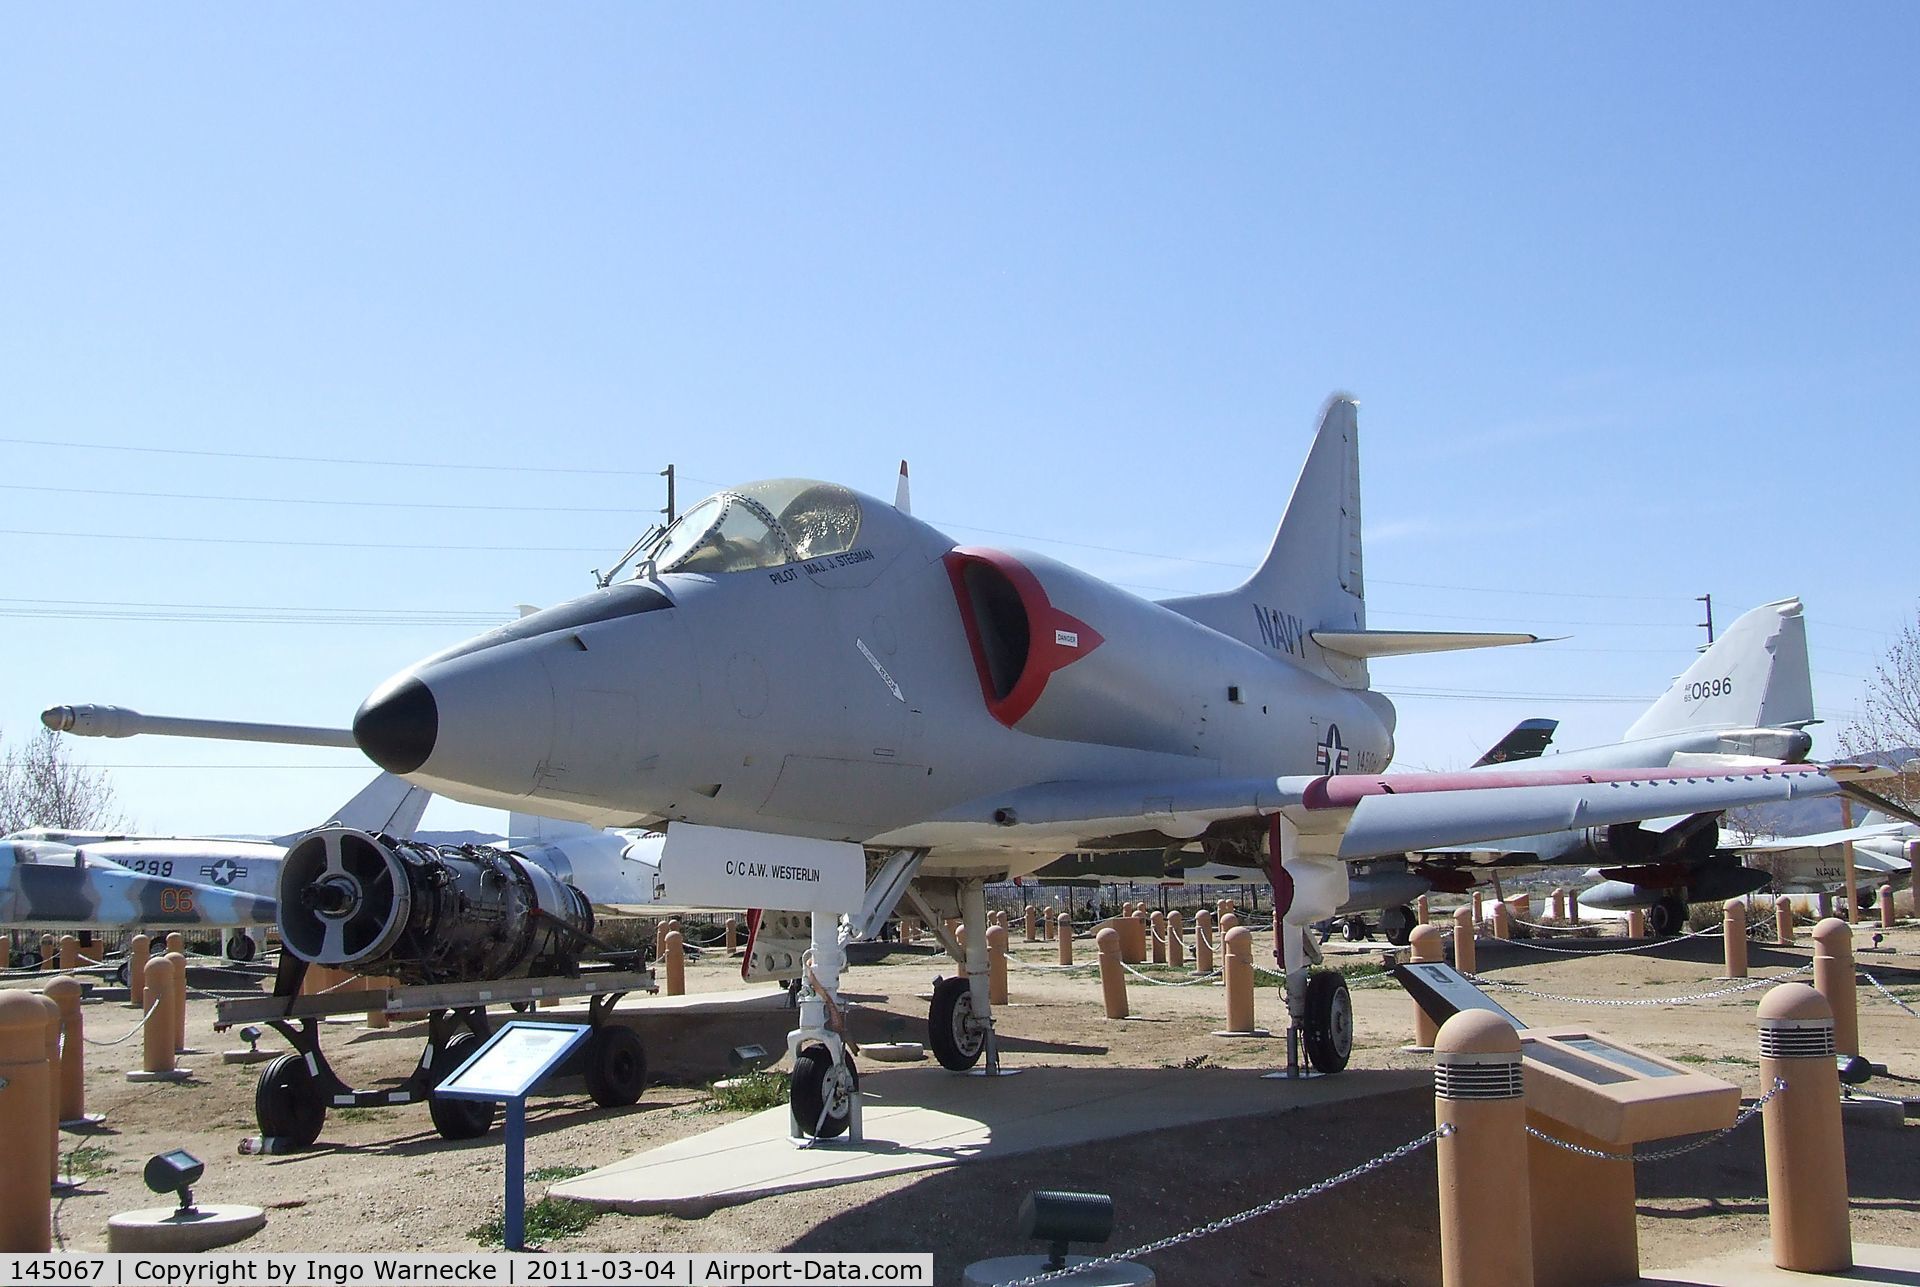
<point>956,1034</point>
<point>823,1092</point>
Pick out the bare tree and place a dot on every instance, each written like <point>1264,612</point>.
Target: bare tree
<point>1889,722</point>
<point>41,787</point>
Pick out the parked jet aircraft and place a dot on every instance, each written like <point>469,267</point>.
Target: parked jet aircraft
<point>812,691</point>
<point>95,880</point>
<point>1883,854</point>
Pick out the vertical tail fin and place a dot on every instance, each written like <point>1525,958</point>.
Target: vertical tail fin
<point>1755,675</point>
<point>1311,578</point>
<point>386,804</point>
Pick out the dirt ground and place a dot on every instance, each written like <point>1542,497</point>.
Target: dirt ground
<point>382,1180</point>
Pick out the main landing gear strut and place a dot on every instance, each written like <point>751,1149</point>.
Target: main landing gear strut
<point>960,1019</point>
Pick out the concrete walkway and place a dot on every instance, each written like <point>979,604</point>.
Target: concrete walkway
<point>1871,1264</point>
<point>920,1119</point>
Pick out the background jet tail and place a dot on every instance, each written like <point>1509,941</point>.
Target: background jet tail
<point>1311,578</point>
<point>386,804</point>
<point>1525,741</point>
<point>1755,675</point>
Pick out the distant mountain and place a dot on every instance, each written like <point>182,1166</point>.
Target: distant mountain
<point>456,837</point>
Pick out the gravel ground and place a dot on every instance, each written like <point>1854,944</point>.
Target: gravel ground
<point>382,1180</point>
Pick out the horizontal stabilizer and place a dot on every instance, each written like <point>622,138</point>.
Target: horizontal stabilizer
<point>1362,644</point>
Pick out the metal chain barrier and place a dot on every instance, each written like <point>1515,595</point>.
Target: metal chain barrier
<point>1747,1114</point>
<point>1745,985</point>
<point>1889,995</point>
<point>1169,983</point>
<point>134,1032</point>
<point>1614,951</point>
<point>1266,1208</point>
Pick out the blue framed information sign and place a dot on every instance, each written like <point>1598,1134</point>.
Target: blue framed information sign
<point>507,1067</point>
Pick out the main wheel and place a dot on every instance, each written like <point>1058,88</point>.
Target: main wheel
<point>615,1067</point>
<point>1667,917</point>
<point>458,1119</point>
<point>1329,1021</point>
<point>956,1040</point>
<point>287,1104</point>
<point>1397,924</point>
<point>240,948</point>
<point>821,1092</point>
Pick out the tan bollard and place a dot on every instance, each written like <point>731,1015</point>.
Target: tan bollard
<point>659,940</point>
<point>69,954</point>
<point>1733,935</point>
<point>49,953</point>
<point>1033,923</point>
<point>1806,1151</point>
<point>178,962</point>
<point>137,949</point>
<point>50,1051</point>
<point>676,963</point>
<point>1486,1222</point>
<point>158,1040</point>
<point>1886,907</point>
<point>1176,940</point>
<point>1113,979</point>
<point>65,993</point>
<point>1783,919</point>
<point>1502,920</point>
<point>997,965</point>
<point>1465,958</point>
<point>1636,924</point>
<point>1833,972</point>
<point>1479,908</point>
<point>1220,910</point>
<point>1157,924</point>
<point>27,1099</point>
<point>1203,941</point>
<point>1421,913</point>
<point>1063,938</point>
<point>1137,937</point>
<point>733,933</point>
<point>1428,945</point>
<point>1573,906</point>
<point>1239,978</point>
<point>177,942</point>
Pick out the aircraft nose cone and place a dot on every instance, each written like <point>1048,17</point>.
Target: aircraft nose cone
<point>398,725</point>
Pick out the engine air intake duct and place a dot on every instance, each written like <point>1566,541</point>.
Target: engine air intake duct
<point>425,913</point>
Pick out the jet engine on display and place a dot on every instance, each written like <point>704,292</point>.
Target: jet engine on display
<point>425,913</point>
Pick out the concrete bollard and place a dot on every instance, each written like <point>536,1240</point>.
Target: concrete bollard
<point>1783,919</point>
<point>1033,923</point>
<point>177,961</point>
<point>27,1099</point>
<point>997,965</point>
<point>1239,978</point>
<point>1486,1223</point>
<point>1557,902</point>
<point>1113,978</point>
<point>1636,924</point>
<point>1421,913</point>
<point>1063,938</point>
<point>158,1040</point>
<point>49,953</point>
<point>50,1051</point>
<point>1806,1151</point>
<point>177,942</point>
<point>1733,935</point>
<point>69,947</point>
<point>1886,907</point>
<point>1220,909</point>
<point>1479,909</point>
<point>659,940</point>
<point>1427,944</point>
<point>137,950</point>
<point>1573,906</point>
<point>1823,905</point>
<point>1833,972</point>
<point>1502,920</point>
<point>676,963</point>
<point>1157,924</point>
<point>733,933</point>
<point>64,992</point>
<point>1176,940</point>
<point>1203,941</point>
<point>1227,923</point>
<point>1137,938</point>
<point>1465,958</point>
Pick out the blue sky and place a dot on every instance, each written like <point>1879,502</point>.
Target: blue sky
<point>1627,292</point>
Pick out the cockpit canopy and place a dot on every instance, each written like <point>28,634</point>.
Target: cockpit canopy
<point>760,525</point>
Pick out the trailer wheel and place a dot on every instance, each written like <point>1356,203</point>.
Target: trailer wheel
<point>1329,1030</point>
<point>287,1104</point>
<point>458,1119</point>
<point>616,1066</point>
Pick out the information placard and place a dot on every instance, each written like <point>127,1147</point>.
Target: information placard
<point>511,1062</point>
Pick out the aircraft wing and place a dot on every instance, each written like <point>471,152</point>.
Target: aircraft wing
<point>1356,816</point>
<point>1828,840</point>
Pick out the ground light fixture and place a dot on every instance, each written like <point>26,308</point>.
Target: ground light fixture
<point>1058,1219</point>
<point>174,1172</point>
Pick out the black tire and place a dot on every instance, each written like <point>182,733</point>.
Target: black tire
<point>287,1104</point>
<point>955,1045</point>
<point>458,1119</point>
<point>1667,917</point>
<point>822,1110</point>
<point>241,949</point>
<point>122,973</point>
<point>1329,1031</point>
<point>1353,929</point>
<point>616,1066</point>
<point>1397,924</point>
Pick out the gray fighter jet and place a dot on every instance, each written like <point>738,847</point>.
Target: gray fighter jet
<point>830,705</point>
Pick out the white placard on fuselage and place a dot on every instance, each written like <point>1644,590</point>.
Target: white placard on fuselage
<point>724,867</point>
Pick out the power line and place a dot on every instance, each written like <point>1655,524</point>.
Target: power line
<point>493,507</point>
<point>389,547</point>
<point>328,460</point>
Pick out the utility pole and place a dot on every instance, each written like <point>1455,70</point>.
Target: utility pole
<point>1706,625</point>
<point>667,474</point>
